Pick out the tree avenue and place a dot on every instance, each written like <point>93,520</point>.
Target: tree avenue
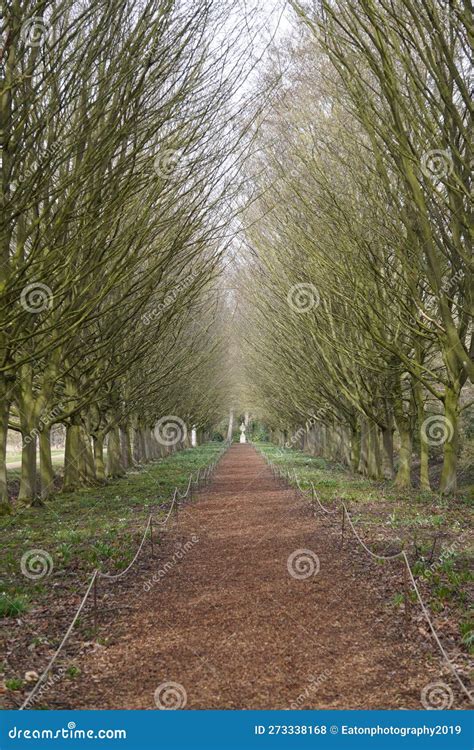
<point>183,241</point>
<point>359,281</point>
<point>112,229</point>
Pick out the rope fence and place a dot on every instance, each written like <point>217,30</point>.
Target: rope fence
<point>203,477</point>
<point>408,576</point>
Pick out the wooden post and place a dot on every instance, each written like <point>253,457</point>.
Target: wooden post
<point>95,605</point>
<point>342,525</point>
<point>151,537</point>
<point>406,595</point>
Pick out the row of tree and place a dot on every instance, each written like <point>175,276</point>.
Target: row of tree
<point>116,138</point>
<point>359,274</point>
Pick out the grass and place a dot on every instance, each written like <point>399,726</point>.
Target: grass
<point>95,527</point>
<point>436,532</point>
<point>72,671</point>
<point>13,605</point>
<point>467,634</point>
<point>14,684</point>
<point>15,456</point>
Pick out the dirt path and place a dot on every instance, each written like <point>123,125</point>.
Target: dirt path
<point>57,457</point>
<point>234,629</point>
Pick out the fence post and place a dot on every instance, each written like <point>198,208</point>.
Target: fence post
<point>406,594</point>
<point>151,537</point>
<point>95,605</point>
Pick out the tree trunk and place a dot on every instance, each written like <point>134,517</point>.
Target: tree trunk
<point>114,455</point>
<point>230,428</point>
<point>424,447</point>
<point>87,457</point>
<point>98,441</point>
<point>424,465</point>
<point>126,448</point>
<point>450,430</point>
<point>404,420</point>
<point>29,431</point>
<point>71,451</point>
<point>363,467</point>
<point>345,446</point>
<point>374,459</point>
<point>143,445</point>
<point>136,452</point>
<point>324,441</point>
<point>27,492</point>
<point>5,505</point>
<point>46,464</point>
<point>78,460</point>
<point>388,467</point>
<point>403,478</point>
<point>142,442</point>
<point>355,447</point>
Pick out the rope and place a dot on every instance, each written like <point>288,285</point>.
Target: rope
<point>303,492</point>
<point>402,555</point>
<point>377,557</point>
<point>182,497</point>
<point>435,635</point>
<point>30,697</point>
<point>326,510</point>
<point>119,575</point>
<point>163,523</point>
<point>95,575</point>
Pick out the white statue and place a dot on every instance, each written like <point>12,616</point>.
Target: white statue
<point>242,433</point>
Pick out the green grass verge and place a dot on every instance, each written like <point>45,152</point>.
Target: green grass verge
<point>435,531</point>
<point>93,527</point>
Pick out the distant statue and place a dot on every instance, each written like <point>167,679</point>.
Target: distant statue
<point>242,433</point>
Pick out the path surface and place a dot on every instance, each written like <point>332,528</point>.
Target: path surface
<point>236,630</point>
<point>57,457</point>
